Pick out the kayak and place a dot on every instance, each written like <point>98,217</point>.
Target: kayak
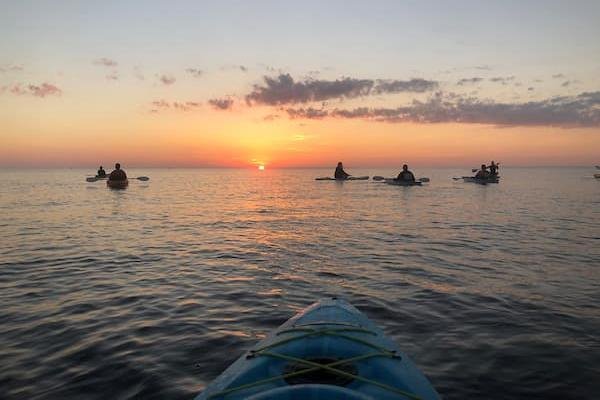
<point>117,184</point>
<point>403,183</point>
<point>597,176</point>
<point>351,178</point>
<point>329,351</point>
<point>481,181</point>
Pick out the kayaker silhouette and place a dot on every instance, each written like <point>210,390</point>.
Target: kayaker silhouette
<point>493,168</point>
<point>406,175</point>
<point>101,172</point>
<point>118,174</point>
<point>482,173</point>
<point>340,173</point>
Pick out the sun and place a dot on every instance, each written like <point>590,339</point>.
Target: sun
<point>261,167</point>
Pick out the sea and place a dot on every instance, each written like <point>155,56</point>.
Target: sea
<point>152,291</point>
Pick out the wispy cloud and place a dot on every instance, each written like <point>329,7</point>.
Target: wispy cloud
<point>105,62</point>
<point>113,76</point>
<point>195,72</point>
<point>42,90</point>
<point>158,105</point>
<point>283,89</point>
<point>558,76</point>
<point>469,81</point>
<point>563,111</point>
<point>166,79</point>
<point>502,79</point>
<point>11,68</point>
<point>221,104</point>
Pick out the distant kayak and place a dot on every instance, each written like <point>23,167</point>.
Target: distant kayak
<point>329,351</point>
<point>597,176</point>
<point>351,178</point>
<point>117,184</point>
<point>485,181</point>
<point>403,183</point>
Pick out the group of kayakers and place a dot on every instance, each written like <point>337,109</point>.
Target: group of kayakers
<point>117,175</point>
<point>404,175</point>
<point>486,172</point>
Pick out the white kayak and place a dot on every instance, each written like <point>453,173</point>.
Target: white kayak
<point>351,178</point>
<point>480,181</point>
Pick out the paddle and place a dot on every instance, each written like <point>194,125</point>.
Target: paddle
<point>379,178</point>
<point>139,178</point>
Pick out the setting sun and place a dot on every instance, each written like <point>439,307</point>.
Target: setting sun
<point>261,167</point>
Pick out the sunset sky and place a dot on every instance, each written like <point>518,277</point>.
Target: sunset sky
<point>299,84</point>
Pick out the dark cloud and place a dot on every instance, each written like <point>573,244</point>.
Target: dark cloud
<point>502,79</point>
<point>175,105</point>
<point>569,83</point>
<point>306,113</point>
<point>558,76</point>
<point>195,72</point>
<point>221,104</point>
<point>565,111</point>
<point>166,79</point>
<point>284,90</point>
<point>41,90</point>
<point>483,67</point>
<point>243,68</point>
<point>530,88</point>
<point>105,62</point>
<point>469,81</point>
<point>415,85</point>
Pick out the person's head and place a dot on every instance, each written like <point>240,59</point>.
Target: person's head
<point>483,167</point>
<point>493,162</point>
<point>405,167</point>
<point>340,165</point>
<point>101,167</point>
<point>117,166</point>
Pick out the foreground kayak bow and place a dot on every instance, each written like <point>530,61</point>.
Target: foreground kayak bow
<point>328,351</point>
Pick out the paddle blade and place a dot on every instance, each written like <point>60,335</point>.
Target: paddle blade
<point>142,178</point>
<point>91,179</point>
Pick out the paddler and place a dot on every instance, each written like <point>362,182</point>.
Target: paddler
<point>493,169</point>
<point>482,173</point>
<point>406,175</point>
<point>118,174</point>
<point>101,172</point>
<point>340,173</point>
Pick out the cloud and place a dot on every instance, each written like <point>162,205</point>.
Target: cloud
<point>167,79</point>
<point>415,85</point>
<point>113,76</point>
<point>105,62</point>
<point>42,90</point>
<point>243,68</point>
<point>11,68</point>
<point>558,76</point>
<point>469,81</point>
<point>563,111</point>
<point>503,80</point>
<point>195,72</point>
<point>282,89</point>
<point>158,105</point>
<point>221,104</point>
<point>483,67</point>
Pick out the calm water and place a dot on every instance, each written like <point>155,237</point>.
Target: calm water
<point>152,291</point>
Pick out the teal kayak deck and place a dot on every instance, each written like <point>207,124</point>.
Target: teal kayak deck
<point>328,351</point>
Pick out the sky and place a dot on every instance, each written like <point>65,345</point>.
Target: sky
<point>299,84</point>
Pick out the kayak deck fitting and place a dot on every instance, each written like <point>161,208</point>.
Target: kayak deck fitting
<point>328,351</point>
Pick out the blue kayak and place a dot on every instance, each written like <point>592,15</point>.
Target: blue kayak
<point>328,351</point>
